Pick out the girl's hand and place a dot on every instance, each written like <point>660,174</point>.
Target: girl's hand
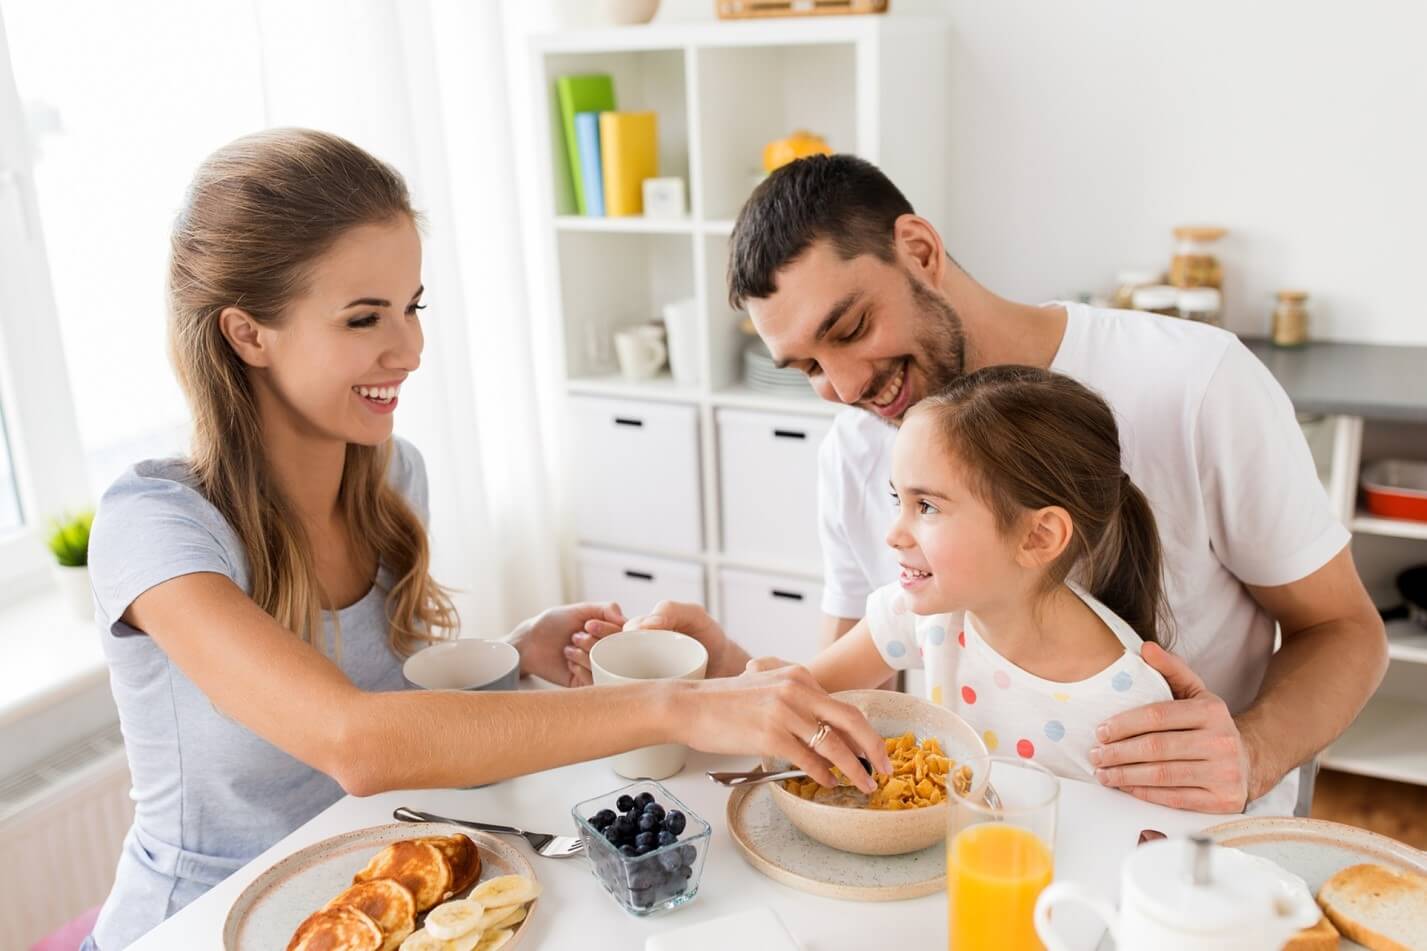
<point>542,639</point>
<point>726,659</point>
<point>775,713</point>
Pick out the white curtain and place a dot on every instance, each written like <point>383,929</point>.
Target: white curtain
<point>423,84</point>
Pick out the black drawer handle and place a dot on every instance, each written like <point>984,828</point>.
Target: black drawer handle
<point>789,595</point>
<point>626,421</point>
<point>638,575</point>
<point>789,434</point>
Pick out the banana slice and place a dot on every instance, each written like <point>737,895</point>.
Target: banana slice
<point>494,939</point>
<point>504,891</point>
<point>454,918</point>
<point>423,940</point>
<point>466,942</point>
<point>511,918</point>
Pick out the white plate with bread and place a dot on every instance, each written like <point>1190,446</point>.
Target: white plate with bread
<point>1372,888</point>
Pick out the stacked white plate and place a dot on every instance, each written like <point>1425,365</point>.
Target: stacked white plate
<point>760,373</point>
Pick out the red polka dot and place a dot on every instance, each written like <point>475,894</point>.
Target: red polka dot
<point>1025,748</point>
<point>968,694</point>
<point>961,638</point>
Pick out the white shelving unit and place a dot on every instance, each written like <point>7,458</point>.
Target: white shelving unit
<point>1389,738</point>
<point>721,91</point>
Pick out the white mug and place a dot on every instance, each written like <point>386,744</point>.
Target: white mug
<point>468,663</point>
<point>641,353</point>
<point>681,323</point>
<point>638,656</point>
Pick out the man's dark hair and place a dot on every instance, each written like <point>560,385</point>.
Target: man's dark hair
<point>842,199</point>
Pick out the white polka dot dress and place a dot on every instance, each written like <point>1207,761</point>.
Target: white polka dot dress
<point>1015,711</point>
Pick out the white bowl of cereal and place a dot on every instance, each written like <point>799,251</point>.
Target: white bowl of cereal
<point>909,810</point>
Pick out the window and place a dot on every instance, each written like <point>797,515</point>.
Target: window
<point>11,518</point>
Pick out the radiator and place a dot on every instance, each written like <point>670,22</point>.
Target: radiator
<point>62,823</point>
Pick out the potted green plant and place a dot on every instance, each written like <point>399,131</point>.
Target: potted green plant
<point>69,543</point>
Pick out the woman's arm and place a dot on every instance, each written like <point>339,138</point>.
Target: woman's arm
<point>287,692</point>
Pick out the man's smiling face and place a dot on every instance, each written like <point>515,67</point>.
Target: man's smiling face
<point>867,332</point>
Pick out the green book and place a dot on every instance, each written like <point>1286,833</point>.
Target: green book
<point>589,93</point>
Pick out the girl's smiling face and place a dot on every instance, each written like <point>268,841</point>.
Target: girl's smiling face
<point>953,555</point>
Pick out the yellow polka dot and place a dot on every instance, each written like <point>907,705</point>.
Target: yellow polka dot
<point>1062,697</point>
<point>936,694</point>
<point>991,742</point>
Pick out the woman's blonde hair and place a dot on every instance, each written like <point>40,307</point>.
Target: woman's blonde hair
<point>258,215</point>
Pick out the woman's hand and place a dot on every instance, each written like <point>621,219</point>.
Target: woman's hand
<point>726,659</point>
<point>542,639</point>
<point>776,713</point>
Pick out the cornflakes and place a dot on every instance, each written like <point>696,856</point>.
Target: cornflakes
<point>919,776</point>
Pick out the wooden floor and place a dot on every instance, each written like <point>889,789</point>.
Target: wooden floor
<point>1398,810</point>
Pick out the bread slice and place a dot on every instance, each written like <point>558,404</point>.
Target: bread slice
<point>1378,908</point>
<point>1321,937</point>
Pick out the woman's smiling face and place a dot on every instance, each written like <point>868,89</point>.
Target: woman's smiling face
<point>338,358</point>
<point>953,554</point>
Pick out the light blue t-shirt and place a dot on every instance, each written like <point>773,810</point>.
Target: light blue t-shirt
<point>209,794</point>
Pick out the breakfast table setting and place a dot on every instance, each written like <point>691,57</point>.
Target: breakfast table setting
<point>665,848</point>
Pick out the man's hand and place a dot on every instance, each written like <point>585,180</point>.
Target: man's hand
<point>1186,753</point>
<point>542,640</point>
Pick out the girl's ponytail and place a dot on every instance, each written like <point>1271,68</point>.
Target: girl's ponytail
<point>1125,570</point>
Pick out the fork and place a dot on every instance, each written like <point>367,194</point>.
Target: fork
<point>550,846</point>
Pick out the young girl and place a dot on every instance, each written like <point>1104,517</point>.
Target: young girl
<point>1009,488</point>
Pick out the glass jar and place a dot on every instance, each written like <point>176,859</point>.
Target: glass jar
<point>1157,299</point>
<point>1195,262</point>
<point>1290,319</point>
<point>1127,282</point>
<point>1201,304</point>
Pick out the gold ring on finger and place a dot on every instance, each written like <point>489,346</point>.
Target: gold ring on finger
<point>819,736</point>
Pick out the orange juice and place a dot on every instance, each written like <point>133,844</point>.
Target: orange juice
<point>994,874</point>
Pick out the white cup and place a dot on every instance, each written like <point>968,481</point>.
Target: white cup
<point>638,656</point>
<point>681,323</point>
<point>641,353</point>
<point>470,663</point>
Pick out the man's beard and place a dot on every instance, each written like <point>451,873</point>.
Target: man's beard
<point>941,339</point>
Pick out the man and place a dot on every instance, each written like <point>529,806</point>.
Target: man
<point>845,282</point>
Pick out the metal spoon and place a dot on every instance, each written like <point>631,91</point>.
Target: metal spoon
<point>753,777</point>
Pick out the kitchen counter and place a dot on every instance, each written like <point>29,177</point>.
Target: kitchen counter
<point>1374,381</point>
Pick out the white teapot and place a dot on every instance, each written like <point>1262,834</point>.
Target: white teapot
<point>1192,895</point>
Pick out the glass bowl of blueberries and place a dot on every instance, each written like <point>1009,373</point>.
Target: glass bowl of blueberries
<point>644,846</point>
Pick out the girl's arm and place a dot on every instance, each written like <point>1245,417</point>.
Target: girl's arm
<point>851,662</point>
<point>287,692</point>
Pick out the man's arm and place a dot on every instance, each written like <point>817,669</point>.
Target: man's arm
<point>1189,753</point>
<point>1333,657</point>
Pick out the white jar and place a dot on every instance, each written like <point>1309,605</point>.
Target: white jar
<point>1157,299</point>
<point>1202,305</point>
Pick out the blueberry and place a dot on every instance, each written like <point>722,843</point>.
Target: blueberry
<point>686,871</point>
<point>669,861</point>
<point>624,824</point>
<point>602,819</point>
<point>675,822</point>
<point>667,838</point>
<point>624,803</point>
<point>688,853</point>
<point>628,850</point>
<point>644,799</point>
<point>644,878</point>
<point>646,842</point>
<point>641,897</point>
<point>655,810</point>
<point>647,823</point>
<point>611,833</point>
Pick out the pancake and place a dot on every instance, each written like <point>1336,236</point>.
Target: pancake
<point>337,929</point>
<point>419,866</point>
<point>464,858</point>
<point>386,902</point>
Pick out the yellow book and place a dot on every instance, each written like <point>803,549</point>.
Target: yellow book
<point>629,152</point>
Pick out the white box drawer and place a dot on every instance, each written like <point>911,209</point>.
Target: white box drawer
<point>636,484</point>
<point>637,582</point>
<point>772,615</point>
<point>768,471</point>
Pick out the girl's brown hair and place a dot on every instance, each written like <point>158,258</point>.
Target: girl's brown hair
<point>258,215</point>
<point>1032,439</point>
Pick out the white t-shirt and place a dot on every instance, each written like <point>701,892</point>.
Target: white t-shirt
<point>1209,436</point>
<point>1016,712</point>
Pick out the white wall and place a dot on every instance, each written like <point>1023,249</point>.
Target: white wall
<point>1082,132</point>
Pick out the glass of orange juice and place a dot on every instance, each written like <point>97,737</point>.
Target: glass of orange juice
<point>999,854</point>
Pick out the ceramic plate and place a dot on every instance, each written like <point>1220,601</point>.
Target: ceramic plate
<point>1314,849</point>
<point>270,909</point>
<point>771,845</point>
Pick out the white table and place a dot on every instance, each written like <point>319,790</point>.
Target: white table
<point>1097,828</point>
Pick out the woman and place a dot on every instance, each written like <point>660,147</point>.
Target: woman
<point>257,599</point>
